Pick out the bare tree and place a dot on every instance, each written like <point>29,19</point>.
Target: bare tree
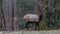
<point>3,25</point>
<point>40,8</point>
<point>9,9</point>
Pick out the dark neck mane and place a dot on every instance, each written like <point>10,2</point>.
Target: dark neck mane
<point>40,17</point>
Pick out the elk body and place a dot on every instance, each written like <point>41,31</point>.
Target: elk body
<point>33,18</point>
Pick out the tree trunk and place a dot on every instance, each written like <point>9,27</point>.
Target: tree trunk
<point>3,25</point>
<point>14,14</point>
<point>39,5</point>
<point>9,9</point>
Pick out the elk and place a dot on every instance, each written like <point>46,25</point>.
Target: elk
<point>33,18</point>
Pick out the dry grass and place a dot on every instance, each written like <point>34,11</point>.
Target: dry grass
<point>33,32</point>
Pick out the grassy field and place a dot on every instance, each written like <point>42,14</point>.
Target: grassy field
<point>33,32</point>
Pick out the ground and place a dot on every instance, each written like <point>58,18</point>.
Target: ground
<point>34,32</point>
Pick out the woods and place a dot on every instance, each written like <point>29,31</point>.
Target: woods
<point>8,10</point>
<point>12,12</point>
